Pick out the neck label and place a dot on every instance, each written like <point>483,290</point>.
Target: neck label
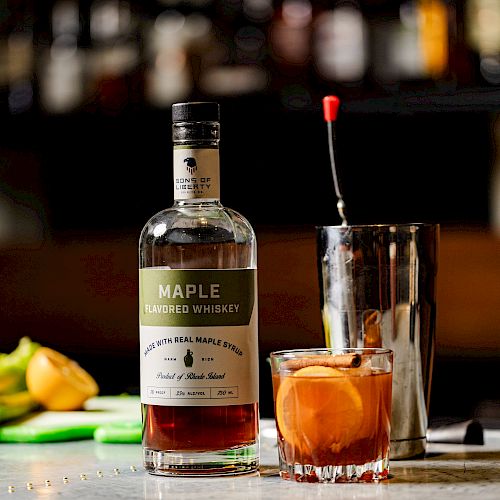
<point>196,173</point>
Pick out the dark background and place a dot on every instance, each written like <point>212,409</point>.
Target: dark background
<point>112,173</point>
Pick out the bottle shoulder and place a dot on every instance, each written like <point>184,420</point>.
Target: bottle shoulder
<point>198,223</point>
<point>240,221</point>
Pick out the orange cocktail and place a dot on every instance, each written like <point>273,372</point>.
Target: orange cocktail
<point>332,411</point>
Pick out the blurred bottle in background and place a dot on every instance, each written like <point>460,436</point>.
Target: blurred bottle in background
<point>16,56</point>
<point>411,42</point>
<point>433,21</point>
<point>290,35</point>
<point>340,42</point>
<point>290,49</point>
<point>394,50</point>
<point>168,76</point>
<point>235,63</point>
<point>483,35</point>
<point>61,65</point>
<point>113,56</point>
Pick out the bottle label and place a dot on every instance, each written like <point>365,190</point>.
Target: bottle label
<point>196,173</point>
<point>198,336</point>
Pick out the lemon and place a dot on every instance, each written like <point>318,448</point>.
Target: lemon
<point>57,382</point>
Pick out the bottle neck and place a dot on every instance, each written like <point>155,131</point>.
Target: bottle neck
<point>196,162</point>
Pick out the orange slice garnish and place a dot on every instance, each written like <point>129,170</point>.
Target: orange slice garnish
<point>57,382</point>
<point>318,407</point>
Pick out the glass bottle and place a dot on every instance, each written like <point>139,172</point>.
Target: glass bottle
<point>198,317</point>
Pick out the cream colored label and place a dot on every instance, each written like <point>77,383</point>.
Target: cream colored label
<point>199,344</point>
<point>196,173</point>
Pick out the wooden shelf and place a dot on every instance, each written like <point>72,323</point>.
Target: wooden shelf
<point>428,101</point>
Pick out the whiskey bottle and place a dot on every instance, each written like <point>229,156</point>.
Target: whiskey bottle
<point>198,317</point>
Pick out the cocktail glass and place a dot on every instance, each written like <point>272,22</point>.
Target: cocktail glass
<point>333,413</point>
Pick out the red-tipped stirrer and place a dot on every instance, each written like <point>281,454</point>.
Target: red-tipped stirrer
<point>331,105</point>
<point>344,257</point>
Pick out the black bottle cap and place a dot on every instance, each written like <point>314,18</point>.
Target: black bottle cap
<point>195,112</point>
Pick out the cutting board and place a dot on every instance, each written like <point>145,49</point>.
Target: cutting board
<point>98,412</point>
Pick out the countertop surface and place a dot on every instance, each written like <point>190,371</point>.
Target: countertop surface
<point>95,469</point>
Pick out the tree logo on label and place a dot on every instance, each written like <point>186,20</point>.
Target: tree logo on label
<point>188,359</point>
<point>191,164</point>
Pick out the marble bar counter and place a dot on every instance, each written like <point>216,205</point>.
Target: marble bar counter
<point>88,469</point>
